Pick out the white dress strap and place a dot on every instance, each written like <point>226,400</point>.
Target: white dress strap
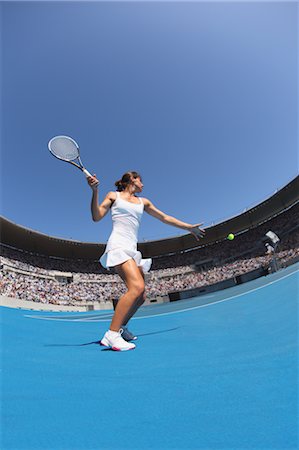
<point>140,199</point>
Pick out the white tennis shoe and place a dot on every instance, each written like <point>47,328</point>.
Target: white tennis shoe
<point>127,335</point>
<point>114,340</point>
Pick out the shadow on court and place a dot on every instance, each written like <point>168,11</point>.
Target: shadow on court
<point>98,342</point>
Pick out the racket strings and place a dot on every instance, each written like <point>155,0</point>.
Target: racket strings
<point>64,149</point>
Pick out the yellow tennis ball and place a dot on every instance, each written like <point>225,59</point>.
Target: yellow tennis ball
<point>231,236</point>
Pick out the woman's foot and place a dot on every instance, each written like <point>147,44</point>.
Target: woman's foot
<point>114,340</point>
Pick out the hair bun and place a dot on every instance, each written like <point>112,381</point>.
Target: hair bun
<point>119,185</point>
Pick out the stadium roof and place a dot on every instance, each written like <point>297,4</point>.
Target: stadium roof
<point>26,239</point>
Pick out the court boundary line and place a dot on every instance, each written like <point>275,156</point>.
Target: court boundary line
<point>166,313</point>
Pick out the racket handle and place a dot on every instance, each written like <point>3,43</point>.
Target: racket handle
<point>86,173</point>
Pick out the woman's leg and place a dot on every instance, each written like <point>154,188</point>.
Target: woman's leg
<point>139,302</point>
<point>134,281</point>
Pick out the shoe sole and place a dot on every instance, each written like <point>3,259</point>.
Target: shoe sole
<point>122,349</point>
<point>117,349</point>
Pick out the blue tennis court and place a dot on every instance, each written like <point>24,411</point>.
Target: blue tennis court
<point>213,372</point>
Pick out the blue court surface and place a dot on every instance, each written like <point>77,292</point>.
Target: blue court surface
<point>213,372</point>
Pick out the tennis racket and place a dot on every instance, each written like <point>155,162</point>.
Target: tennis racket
<point>67,149</point>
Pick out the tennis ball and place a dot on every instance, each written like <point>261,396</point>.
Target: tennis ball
<point>231,236</point>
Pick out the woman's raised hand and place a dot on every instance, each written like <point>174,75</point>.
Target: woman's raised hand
<point>197,231</point>
<point>93,182</point>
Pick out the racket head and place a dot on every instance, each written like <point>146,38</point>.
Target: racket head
<point>64,147</point>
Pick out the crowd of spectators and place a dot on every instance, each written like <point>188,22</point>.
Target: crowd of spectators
<point>25,287</point>
<point>17,285</point>
<point>31,277</point>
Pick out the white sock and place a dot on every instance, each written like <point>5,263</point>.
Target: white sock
<point>113,333</point>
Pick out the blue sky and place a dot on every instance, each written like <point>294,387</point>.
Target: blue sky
<point>200,98</point>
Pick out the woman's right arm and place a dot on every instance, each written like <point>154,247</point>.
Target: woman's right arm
<point>98,211</point>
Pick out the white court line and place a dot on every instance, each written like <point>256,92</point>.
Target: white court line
<point>171,312</point>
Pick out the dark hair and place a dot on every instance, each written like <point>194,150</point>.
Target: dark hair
<point>125,180</point>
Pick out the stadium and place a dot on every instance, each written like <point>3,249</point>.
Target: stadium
<point>216,360</point>
<point>58,274</point>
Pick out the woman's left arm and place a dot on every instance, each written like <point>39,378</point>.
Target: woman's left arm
<point>169,220</point>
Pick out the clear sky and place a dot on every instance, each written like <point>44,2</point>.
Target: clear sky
<point>200,98</point>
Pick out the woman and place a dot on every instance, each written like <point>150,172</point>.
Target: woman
<point>121,250</point>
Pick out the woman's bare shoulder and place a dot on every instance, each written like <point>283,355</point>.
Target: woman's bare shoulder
<point>111,195</point>
<point>146,201</point>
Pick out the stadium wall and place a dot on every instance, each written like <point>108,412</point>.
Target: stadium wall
<point>37,306</point>
<point>11,302</point>
<point>231,282</point>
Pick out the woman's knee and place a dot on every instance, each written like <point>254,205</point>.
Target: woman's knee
<point>137,288</point>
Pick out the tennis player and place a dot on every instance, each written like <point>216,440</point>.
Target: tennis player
<point>121,249</point>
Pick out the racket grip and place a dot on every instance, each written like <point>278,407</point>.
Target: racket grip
<point>86,173</point>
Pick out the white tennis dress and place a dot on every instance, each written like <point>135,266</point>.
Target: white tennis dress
<point>122,243</point>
